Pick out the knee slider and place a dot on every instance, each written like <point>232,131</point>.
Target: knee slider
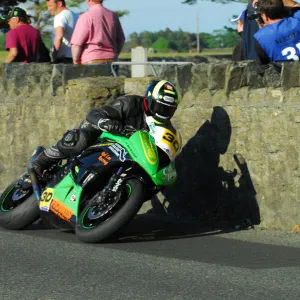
<point>73,142</point>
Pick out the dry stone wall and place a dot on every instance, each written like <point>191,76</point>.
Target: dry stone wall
<point>239,123</point>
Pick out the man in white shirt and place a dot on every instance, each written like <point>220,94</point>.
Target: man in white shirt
<point>64,24</point>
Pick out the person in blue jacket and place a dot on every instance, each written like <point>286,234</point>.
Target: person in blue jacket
<point>278,38</point>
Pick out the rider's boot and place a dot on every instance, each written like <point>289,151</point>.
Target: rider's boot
<point>46,159</point>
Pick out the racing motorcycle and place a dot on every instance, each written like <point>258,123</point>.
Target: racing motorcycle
<point>99,191</point>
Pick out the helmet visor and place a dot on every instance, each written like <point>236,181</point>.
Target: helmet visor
<point>163,110</point>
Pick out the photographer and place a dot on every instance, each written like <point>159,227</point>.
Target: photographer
<point>278,38</point>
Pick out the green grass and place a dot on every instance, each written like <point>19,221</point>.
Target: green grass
<point>207,52</point>
<point>3,55</point>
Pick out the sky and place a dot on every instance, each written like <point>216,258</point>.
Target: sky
<point>158,15</point>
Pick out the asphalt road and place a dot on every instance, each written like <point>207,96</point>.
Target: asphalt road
<point>151,259</point>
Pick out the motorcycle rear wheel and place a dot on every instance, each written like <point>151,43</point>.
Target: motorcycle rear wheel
<point>18,207</point>
<point>89,231</point>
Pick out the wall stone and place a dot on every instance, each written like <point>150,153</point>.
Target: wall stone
<point>239,123</point>
<point>241,134</point>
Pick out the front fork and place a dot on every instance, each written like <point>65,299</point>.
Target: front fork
<point>37,189</point>
<point>112,187</point>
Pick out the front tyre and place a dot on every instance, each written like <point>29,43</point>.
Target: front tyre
<point>94,227</point>
<point>18,205</point>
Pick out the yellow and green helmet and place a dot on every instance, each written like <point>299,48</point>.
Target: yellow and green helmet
<point>161,100</point>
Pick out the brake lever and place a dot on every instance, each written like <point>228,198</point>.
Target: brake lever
<point>128,130</point>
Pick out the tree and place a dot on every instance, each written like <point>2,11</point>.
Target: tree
<point>6,5</point>
<point>38,10</point>
<point>161,45</point>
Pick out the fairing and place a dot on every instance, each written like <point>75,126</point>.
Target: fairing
<point>61,200</point>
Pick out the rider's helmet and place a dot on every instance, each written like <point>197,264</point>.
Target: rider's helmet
<point>161,100</point>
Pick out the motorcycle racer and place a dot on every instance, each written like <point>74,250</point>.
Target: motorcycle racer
<point>160,101</point>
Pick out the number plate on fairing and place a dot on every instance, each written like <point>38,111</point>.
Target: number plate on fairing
<point>46,199</point>
<point>165,139</point>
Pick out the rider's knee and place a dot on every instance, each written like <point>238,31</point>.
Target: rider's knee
<point>74,142</point>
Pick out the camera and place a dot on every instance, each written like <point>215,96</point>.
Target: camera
<point>253,14</point>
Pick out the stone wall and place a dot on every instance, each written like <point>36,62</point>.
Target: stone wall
<point>239,123</point>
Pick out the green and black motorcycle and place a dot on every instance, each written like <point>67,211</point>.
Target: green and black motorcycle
<point>99,191</point>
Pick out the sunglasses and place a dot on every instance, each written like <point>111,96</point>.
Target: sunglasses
<point>10,19</point>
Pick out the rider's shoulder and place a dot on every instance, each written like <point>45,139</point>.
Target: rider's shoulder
<point>126,100</point>
<point>129,98</point>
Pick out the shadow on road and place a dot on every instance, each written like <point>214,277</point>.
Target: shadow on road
<point>148,227</point>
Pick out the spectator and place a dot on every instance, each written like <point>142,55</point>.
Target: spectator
<point>98,36</point>
<point>251,27</point>
<point>278,38</point>
<point>64,24</point>
<point>237,54</point>
<point>22,40</point>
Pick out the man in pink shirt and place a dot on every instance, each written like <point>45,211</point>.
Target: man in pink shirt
<point>98,36</point>
<point>22,39</point>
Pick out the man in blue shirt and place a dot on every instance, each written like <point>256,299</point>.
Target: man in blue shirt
<point>278,38</point>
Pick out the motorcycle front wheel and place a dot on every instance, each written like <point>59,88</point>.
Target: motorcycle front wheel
<point>98,222</point>
<point>18,206</point>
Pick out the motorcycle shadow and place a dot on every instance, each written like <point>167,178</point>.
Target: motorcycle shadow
<point>147,227</point>
<point>151,227</point>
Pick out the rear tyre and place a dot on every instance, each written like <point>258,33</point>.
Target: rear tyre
<point>18,207</point>
<point>93,228</point>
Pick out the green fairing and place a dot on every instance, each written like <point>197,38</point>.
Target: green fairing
<point>65,190</point>
<point>166,176</point>
<point>141,148</point>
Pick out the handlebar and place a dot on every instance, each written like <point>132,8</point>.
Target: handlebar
<point>128,130</point>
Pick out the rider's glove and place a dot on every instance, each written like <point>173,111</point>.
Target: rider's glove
<point>113,126</point>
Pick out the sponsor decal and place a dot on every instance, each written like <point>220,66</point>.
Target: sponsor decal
<point>88,178</point>
<point>118,151</point>
<point>73,198</point>
<point>44,208</point>
<point>169,99</point>
<point>46,199</point>
<point>117,185</point>
<point>101,145</point>
<point>169,173</point>
<point>61,210</point>
<point>148,148</point>
<point>168,87</point>
<point>104,158</point>
<point>152,127</point>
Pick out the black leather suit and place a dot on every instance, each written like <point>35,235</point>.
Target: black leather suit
<point>124,110</point>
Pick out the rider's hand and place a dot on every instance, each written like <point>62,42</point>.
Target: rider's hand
<point>113,126</point>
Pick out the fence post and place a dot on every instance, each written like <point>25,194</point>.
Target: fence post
<point>139,54</point>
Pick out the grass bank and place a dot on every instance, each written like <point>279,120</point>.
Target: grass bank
<point>207,52</point>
